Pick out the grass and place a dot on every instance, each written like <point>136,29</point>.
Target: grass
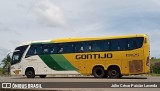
<point>1,71</point>
<point>153,74</point>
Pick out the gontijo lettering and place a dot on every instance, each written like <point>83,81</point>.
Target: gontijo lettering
<point>94,56</point>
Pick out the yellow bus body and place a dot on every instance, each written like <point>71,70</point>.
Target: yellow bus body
<point>135,63</point>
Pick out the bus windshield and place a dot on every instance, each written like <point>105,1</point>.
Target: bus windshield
<point>17,55</point>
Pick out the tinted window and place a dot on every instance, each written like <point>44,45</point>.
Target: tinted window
<point>100,46</point>
<point>35,50</point>
<point>134,43</point>
<point>122,43</point>
<point>46,48</point>
<point>131,43</point>
<point>119,44</point>
<point>114,45</point>
<point>83,47</point>
<point>17,55</point>
<point>86,46</point>
<point>139,42</point>
<point>95,46</point>
<point>78,47</point>
<point>53,48</point>
<point>65,48</point>
<point>126,44</point>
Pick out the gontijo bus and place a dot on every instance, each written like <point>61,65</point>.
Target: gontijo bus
<point>101,57</point>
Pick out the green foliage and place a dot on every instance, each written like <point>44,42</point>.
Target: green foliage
<point>153,61</point>
<point>155,66</point>
<point>6,65</point>
<point>1,70</point>
<point>155,69</point>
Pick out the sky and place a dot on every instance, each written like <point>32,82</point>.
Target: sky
<point>28,20</point>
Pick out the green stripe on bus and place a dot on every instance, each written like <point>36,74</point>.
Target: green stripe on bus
<point>63,62</point>
<point>50,62</point>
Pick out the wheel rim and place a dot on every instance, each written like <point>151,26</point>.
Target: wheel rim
<point>113,72</point>
<point>99,72</point>
<point>30,73</point>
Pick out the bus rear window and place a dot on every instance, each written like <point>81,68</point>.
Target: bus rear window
<point>134,43</point>
<point>139,42</point>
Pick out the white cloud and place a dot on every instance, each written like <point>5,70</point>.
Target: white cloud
<point>86,18</point>
<point>50,14</point>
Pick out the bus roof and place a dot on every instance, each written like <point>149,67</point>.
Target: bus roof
<point>95,38</point>
<point>81,39</point>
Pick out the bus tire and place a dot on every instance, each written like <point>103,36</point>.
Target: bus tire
<point>114,72</point>
<point>98,72</point>
<point>30,73</point>
<point>42,76</point>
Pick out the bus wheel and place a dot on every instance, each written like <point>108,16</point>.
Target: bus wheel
<point>30,73</point>
<point>98,72</point>
<point>114,72</point>
<point>42,76</point>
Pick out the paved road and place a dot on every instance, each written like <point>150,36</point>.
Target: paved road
<point>81,79</point>
<point>88,79</point>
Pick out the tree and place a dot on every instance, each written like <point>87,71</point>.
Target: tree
<point>153,58</point>
<point>6,64</point>
<point>155,68</point>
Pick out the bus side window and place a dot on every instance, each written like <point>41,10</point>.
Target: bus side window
<point>114,45</point>
<point>68,48</point>
<point>86,46</point>
<point>65,48</point>
<point>53,48</point>
<point>60,48</point>
<point>131,44</point>
<point>78,47</point>
<point>35,50</point>
<point>90,47</point>
<point>122,44</point>
<point>46,48</point>
<point>96,46</point>
<point>106,45</point>
<point>83,47</point>
<point>100,45</point>
<point>73,48</point>
<point>119,45</point>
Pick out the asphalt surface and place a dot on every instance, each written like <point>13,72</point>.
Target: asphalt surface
<point>83,79</point>
<point>138,78</point>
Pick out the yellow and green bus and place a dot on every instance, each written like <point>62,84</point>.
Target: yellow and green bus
<point>112,57</point>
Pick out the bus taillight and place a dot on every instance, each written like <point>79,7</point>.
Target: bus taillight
<point>147,62</point>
